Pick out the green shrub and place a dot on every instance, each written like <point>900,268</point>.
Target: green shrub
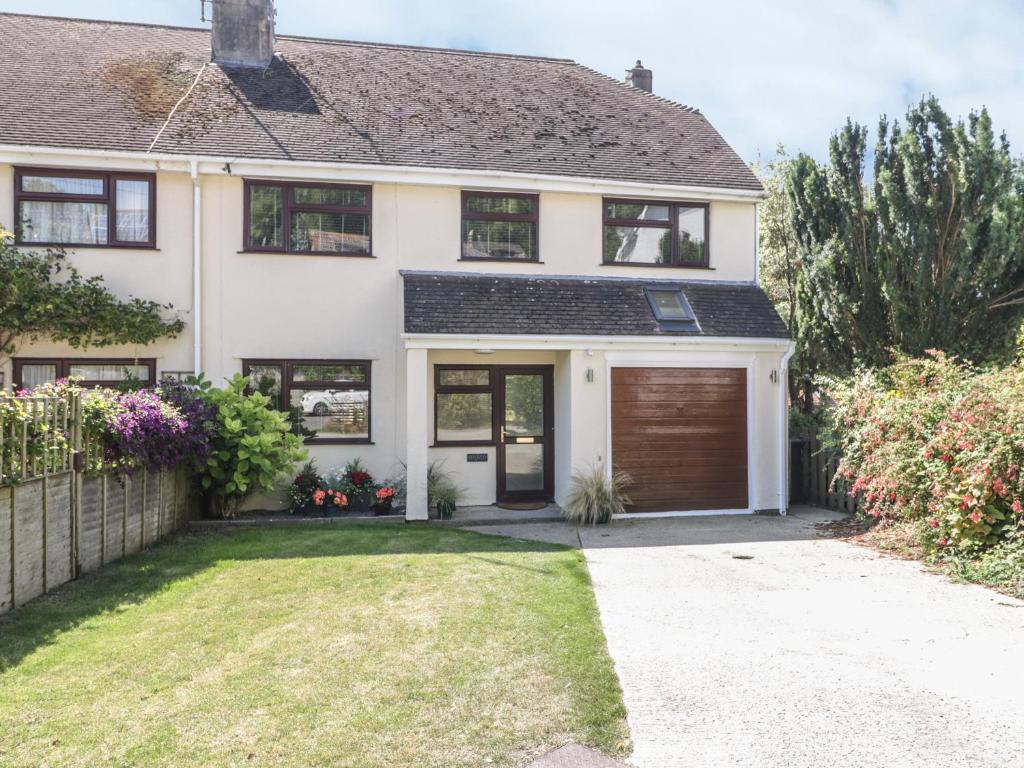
<point>252,447</point>
<point>594,496</point>
<point>936,440</point>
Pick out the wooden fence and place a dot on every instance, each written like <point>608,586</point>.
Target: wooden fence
<point>817,483</point>
<point>60,514</point>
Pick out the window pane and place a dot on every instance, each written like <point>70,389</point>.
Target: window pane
<point>63,222</point>
<point>670,305</point>
<point>524,404</point>
<point>638,211</point>
<point>356,198</point>
<point>267,380</point>
<point>488,204</point>
<point>34,374</point>
<point>132,210</point>
<point>691,235</point>
<point>266,219</point>
<point>332,413</point>
<point>465,378</point>
<point>464,416</point>
<point>62,185</point>
<point>637,245</point>
<point>524,467</point>
<point>331,232</point>
<point>354,374</point>
<point>514,240</point>
<point>109,371</point>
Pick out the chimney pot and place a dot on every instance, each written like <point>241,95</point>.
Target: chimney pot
<point>640,77</point>
<point>243,33</point>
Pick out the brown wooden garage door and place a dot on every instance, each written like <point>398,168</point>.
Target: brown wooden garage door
<point>681,435</point>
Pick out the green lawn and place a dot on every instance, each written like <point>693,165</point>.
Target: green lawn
<point>339,646</point>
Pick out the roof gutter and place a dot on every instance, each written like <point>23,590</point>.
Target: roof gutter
<point>525,341</point>
<point>15,154</point>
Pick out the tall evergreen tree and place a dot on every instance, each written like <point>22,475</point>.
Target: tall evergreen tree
<point>929,255</point>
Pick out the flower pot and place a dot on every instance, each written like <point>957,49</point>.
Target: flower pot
<point>382,507</point>
<point>360,502</point>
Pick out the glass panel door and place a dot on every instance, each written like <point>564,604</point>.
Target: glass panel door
<point>524,461</point>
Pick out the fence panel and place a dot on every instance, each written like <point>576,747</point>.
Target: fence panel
<point>61,513</point>
<point>821,486</point>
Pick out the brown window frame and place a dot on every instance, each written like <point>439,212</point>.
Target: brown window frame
<point>450,389</point>
<point>468,215</point>
<point>108,198</point>
<point>63,366</point>
<point>672,226</point>
<point>288,206</point>
<point>287,365</point>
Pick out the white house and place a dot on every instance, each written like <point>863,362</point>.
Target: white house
<point>513,264</point>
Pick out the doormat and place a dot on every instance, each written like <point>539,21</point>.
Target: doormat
<point>523,506</point>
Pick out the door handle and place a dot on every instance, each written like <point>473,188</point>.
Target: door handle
<point>503,433</point>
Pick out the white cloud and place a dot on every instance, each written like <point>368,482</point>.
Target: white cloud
<point>762,72</point>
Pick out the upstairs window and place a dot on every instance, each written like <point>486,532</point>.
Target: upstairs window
<point>80,208</point>
<point>653,233</point>
<point>499,226</point>
<point>331,219</point>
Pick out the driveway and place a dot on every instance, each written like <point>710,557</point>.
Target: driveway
<point>754,641</point>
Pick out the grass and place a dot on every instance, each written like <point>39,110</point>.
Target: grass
<point>339,646</point>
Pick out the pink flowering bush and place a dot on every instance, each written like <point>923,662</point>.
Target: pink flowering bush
<point>938,441</point>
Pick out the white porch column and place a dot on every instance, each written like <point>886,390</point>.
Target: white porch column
<point>416,434</point>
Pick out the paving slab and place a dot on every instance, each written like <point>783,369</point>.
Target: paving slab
<point>573,755</point>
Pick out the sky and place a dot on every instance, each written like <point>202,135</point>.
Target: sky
<point>764,72</point>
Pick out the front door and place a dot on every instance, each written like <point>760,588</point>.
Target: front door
<point>525,431</point>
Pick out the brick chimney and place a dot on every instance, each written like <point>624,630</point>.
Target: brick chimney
<point>243,32</point>
<point>639,77</point>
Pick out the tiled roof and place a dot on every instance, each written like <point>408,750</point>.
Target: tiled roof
<point>111,86</point>
<point>468,304</point>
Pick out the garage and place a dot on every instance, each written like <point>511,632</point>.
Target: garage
<point>681,436</point>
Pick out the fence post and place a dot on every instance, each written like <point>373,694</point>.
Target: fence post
<point>75,461</point>
<point>103,521</point>
<point>14,570</point>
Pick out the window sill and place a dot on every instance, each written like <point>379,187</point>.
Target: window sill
<point>90,246</point>
<point>656,266</point>
<point>258,251</point>
<point>465,444</point>
<point>336,441</point>
<point>504,261</point>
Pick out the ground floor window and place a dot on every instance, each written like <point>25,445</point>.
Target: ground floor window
<point>463,405</point>
<point>30,372</point>
<point>328,400</point>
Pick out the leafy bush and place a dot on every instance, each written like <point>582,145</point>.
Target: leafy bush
<point>252,447</point>
<point>200,416</point>
<point>594,496</point>
<point>937,440</point>
<point>136,429</point>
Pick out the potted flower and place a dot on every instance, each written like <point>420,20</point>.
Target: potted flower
<point>301,492</point>
<point>385,496</point>
<point>335,501</point>
<point>358,486</point>
<point>446,496</point>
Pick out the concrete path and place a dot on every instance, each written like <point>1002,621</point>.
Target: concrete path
<point>753,641</point>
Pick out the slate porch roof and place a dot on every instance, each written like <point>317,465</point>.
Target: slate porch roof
<point>72,83</point>
<point>471,304</point>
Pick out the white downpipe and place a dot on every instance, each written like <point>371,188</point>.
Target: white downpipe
<point>197,271</point>
<point>784,431</point>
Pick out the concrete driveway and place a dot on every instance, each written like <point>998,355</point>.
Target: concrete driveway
<point>754,641</point>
